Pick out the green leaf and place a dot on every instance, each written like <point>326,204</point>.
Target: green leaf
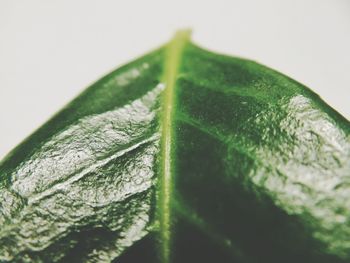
<point>182,156</point>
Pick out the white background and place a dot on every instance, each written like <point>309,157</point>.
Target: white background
<point>51,49</point>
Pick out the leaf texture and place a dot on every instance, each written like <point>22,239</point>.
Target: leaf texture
<point>182,155</point>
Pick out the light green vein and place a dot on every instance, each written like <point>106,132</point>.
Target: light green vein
<point>172,63</point>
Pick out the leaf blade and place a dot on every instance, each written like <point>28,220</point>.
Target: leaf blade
<point>257,161</point>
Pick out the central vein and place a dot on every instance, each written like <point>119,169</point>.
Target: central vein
<point>174,52</point>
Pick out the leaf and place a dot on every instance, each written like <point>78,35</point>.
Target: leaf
<point>182,155</point>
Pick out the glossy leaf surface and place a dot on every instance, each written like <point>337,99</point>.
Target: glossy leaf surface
<point>182,155</point>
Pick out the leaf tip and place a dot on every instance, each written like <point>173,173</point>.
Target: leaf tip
<point>183,35</point>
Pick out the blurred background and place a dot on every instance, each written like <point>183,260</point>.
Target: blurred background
<point>50,50</point>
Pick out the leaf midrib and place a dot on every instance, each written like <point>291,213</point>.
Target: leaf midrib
<point>174,51</point>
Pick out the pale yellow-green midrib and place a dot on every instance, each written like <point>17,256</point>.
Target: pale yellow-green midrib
<point>173,56</point>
